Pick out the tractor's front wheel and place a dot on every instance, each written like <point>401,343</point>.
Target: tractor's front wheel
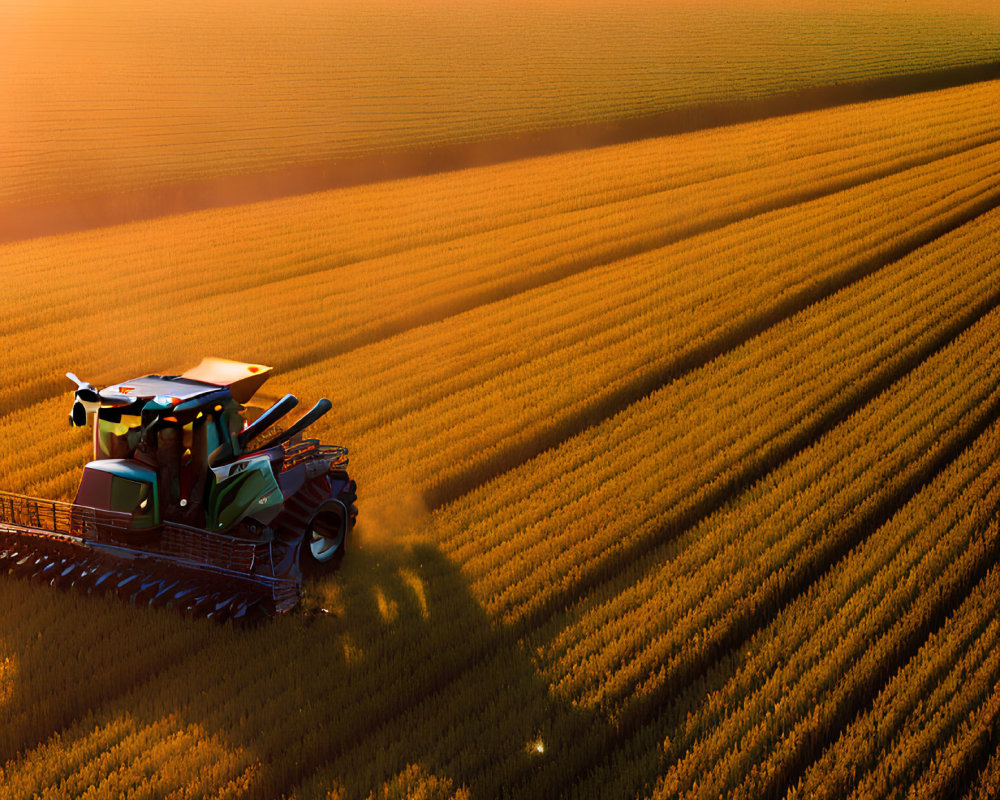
<point>326,537</point>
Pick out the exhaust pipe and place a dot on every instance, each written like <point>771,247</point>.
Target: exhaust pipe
<point>267,419</point>
<point>304,422</point>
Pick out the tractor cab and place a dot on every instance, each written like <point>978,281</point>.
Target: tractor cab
<point>164,447</point>
<point>205,411</point>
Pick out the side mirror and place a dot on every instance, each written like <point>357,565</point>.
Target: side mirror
<point>85,401</point>
<point>78,416</point>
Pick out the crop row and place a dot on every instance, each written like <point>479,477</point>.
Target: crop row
<point>520,541</point>
<point>634,325</point>
<point>415,782</point>
<point>174,100</point>
<point>632,653</point>
<point>557,357</point>
<point>737,564</point>
<point>328,306</point>
<point>969,487</point>
<point>924,705</point>
<point>961,500</point>
<point>68,450</point>
<point>811,670</point>
<point>909,305</point>
<point>913,562</point>
<point>507,662</point>
<point>198,255</point>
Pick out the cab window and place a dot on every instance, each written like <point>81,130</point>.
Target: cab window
<point>117,439</point>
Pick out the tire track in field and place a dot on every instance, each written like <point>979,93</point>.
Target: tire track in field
<point>18,221</point>
<point>509,636</point>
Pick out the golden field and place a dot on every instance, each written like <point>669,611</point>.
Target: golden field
<point>678,459</point>
<point>118,96</point>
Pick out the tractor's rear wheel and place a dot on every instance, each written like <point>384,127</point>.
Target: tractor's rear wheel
<point>326,537</point>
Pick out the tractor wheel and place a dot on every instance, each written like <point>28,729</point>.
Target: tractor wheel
<point>326,537</point>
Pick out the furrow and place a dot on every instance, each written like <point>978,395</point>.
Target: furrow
<point>325,310</point>
<point>583,719</point>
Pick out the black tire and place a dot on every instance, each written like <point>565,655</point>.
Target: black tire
<point>325,539</point>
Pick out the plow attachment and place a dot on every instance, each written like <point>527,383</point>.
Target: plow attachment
<point>195,571</point>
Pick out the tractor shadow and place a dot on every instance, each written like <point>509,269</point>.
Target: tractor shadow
<point>63,654</point>
<point>389,673</point>
<point>432,688</point>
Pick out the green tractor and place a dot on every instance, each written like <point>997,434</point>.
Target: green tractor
<point>194,498</point>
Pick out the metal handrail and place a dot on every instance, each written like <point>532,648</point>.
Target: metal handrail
<point>101,526</point>
<point>54,516</point>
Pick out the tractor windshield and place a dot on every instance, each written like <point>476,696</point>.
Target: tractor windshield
<point>116,439</point>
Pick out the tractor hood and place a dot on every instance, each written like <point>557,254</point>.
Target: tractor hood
<point>121,485</point>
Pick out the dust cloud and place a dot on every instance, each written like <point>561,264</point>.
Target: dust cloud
<point>390,521</point>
